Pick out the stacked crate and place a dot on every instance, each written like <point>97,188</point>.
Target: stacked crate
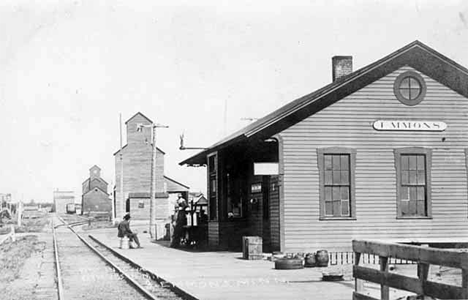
<point>252,247</point>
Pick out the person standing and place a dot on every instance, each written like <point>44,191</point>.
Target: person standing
<point>179,223</point>
<point>124,231</point>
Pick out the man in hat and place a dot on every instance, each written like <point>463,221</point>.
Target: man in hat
<point>124,230</point>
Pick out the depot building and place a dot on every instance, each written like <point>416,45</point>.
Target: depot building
<point>379,153</point>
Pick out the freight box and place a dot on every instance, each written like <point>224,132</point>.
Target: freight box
<point>252,247</point>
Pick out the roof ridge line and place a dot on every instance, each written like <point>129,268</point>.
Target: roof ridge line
<point>353,76</point>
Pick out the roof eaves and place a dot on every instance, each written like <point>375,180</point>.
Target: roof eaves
<point>119,150</point>
<point>159,149</point>
<point>176,182</point>
<point>101,179</point>
<point>301,102</point>
<point>198,159</point>
<point>307,100</point>
<point>293,106</point>
<point>93,189</point>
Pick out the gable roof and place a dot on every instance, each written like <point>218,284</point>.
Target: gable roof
<point>99,179</point>
<point>94,190</point>
<point>416,54</point>
<point>127,145</point>
<point>202,200</point>
<point>95,167</point>
<point>139,114</point>
<point>96,178</point>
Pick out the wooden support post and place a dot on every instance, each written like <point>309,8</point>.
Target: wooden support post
<point>13,237</point>
<point>423,271</point>
<point>358,283</point>
<point>19,211</point>
<point>465,283</point>
<point>384,289</point>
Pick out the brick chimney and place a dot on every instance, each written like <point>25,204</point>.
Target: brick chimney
<point>341,66</point>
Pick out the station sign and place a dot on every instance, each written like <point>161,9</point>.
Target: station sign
<point>408,125</point>
<point>266,169</point>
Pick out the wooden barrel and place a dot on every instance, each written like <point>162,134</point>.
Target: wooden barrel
<point>310,260</point>
<point>321,258</point>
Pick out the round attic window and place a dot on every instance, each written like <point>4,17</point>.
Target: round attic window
<point>409,88</point>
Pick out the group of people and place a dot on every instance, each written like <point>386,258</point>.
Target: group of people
<point>180,220</point>
<point>178,224</point>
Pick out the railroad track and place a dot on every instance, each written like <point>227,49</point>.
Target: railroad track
<point>87,269</point>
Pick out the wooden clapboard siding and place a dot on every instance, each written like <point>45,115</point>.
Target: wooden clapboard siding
<point>348,123</point>
<point>274,214</point>
<point>213,234</point>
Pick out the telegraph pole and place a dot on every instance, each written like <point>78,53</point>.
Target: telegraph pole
<point>153,180</point>
<point>153,174</point>
<point>122,194</point>
<point>112,195</point>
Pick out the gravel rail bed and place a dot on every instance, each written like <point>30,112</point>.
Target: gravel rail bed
<point>85,275</point>
<point>161,290</point>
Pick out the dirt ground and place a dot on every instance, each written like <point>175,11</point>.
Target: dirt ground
<point>19,262</point>
<point>31,222</point>
<point>27,268</point>
<point>26,265</point>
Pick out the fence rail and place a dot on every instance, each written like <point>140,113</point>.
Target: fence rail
<point>424,257</point>
<point>10,235</point>
<point>347,258</point>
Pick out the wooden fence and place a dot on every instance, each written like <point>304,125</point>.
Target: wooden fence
<point>10,235</point>
<point>347,258</point>
<point>424,257</point>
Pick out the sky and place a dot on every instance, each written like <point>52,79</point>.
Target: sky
<point>70,68</point>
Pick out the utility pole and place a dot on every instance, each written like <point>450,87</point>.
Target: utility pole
<point>112,203</point>
<point>153,181</point>
<point>19,212</point>
<point>122,194</point>
<point>153,174</point>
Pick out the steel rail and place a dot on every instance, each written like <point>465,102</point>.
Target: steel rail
<point>130,280</point>
<point>73,224</point>
<point>57,264</point>
<point>179,292</point>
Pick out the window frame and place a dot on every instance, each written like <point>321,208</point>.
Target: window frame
<point>321,152</point>
<point>397,84</point>
<point>397,157</point>
<point>231,185</point>
<point>213,186</point>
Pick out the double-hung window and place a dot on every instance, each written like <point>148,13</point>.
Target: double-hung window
<point>336,166</point>
<point>413,179</point>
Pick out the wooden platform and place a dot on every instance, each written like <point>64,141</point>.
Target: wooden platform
<point>225,275</point>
